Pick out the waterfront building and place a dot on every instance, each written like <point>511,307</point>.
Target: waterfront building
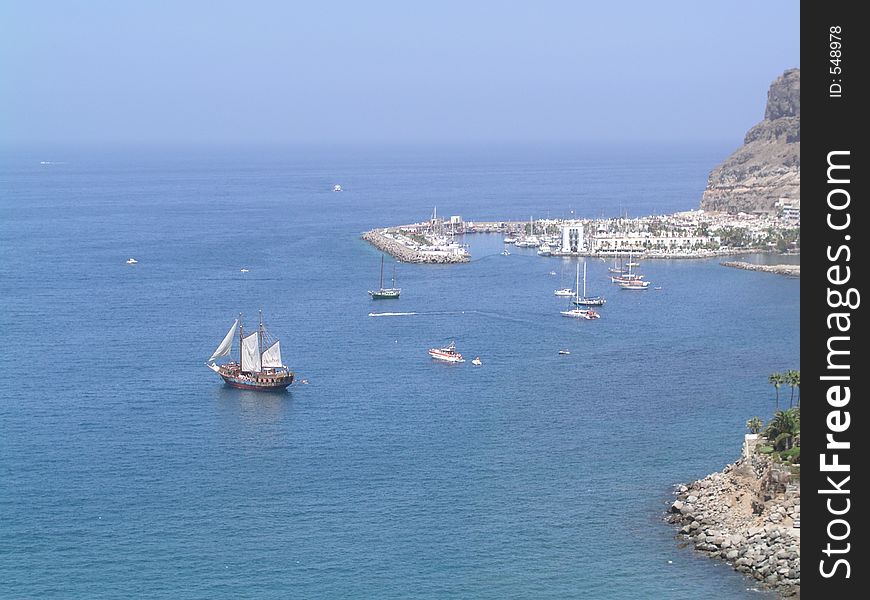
<point>572,237</point>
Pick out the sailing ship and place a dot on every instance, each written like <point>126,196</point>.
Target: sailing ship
<point>448,353</point>
<point>585,300</point>
<point>579,313</point>
<point>259,366</point>
<point>383,293</point>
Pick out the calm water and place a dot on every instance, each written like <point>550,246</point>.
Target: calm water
<point>128,469</point>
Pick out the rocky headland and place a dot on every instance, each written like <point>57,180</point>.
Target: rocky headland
<point>766,168</point>
<point>748,515</point>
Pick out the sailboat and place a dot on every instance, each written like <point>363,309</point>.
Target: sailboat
<point>614,269</point>
<point>628,276</point>
<point>259,367</point>
<point>565,291</point>
<point>384,293</point>
<point>585,300</point>
<point>579,313</point>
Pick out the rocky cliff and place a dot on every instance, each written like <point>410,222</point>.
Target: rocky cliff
<point>749,516</point>
<point>768,165</point>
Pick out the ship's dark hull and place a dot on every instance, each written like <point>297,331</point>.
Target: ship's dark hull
<point>273,381</point>
<point>257,387</point>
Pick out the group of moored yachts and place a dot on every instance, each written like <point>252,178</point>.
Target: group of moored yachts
<point>622,276</point>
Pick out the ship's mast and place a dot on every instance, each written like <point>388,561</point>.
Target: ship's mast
<point>260,336</point>
<point>241,335</point>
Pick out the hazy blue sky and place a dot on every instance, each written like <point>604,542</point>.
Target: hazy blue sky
<point>409,72</point>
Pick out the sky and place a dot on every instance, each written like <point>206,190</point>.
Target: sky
<point>394,72</point>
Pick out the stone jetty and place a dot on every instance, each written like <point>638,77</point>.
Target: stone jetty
<point>408,250</point>
<point>748,515</point>
<point>787,270</point>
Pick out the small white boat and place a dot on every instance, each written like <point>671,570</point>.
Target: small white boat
<point>337,188</point>
<point>510,240</point>
<point>580,313</point>
<point>564,292</point>
<point>132,261</point>
<point>243,270</point>
<point>636,284</point>
<point>551,273</point>
<point>544,250</point>
<point>476,362</point>
<point>505,252</point>
<point>448,353</point>
<point>564,352</point>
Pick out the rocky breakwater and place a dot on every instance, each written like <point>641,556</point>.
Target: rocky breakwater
<point>767,168</point>
<point>749,516</point>
<point>787,270</point>
<point>408,250</point>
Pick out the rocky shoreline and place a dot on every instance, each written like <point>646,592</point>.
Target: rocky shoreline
<point>787,270</point>
<point>748,515</point>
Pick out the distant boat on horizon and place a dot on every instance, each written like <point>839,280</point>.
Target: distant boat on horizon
<point>337,188</point>
<point>132,261</point>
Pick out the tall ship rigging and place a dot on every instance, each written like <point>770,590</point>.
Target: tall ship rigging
<point>259,366</point>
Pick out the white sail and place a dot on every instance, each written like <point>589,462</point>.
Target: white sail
<point>251,352</point>
<point>227,344</point>
<point>272,356</point>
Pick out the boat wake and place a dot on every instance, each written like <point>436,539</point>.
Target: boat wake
<point>391,314</point>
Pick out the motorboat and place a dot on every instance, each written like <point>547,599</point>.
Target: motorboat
<point>447,353</point>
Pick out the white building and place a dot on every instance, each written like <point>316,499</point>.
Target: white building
<point>789,209</point>
<point>572,237</point>
<point>640,241</point>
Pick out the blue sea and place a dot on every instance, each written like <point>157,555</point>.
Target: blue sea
<point>127,468</point>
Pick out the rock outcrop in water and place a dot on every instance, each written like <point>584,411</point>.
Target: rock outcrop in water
<point>767,167</point>
<point>749,516</point>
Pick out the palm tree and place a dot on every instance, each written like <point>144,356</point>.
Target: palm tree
<point>797,383</point>
<point>783,428</point>
<point>754,425</point>
<point>777,380</point>
<point>792,378</point>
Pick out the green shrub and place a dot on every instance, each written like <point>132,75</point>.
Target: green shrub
<point>792,455</point>
<point>765,449</point>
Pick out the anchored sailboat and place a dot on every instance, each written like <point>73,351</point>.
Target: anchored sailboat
<point>383,293</point>
<point>579,313</point>
<point>259,366</point>
<point>585,300</point>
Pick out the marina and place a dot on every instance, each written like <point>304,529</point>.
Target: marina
<point>693,234</point>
